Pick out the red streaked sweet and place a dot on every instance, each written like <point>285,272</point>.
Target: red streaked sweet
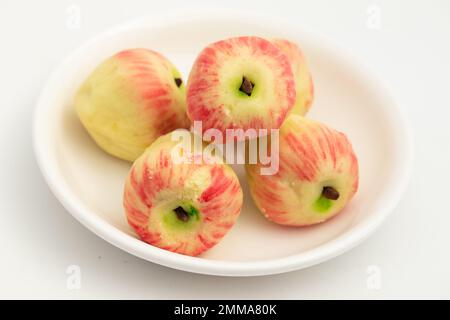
<point>181,207</point>
<point>303,80</point>
<point>131,99</point>
<point>317,176</point>
<point>241,83</point>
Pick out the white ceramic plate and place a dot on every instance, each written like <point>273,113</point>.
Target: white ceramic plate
<point>89,183</point>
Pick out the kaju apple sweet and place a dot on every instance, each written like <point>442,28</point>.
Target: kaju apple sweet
<point>182,205</point>
<point>303,80</point>
<point>131,99</point>
<point>240,83</point>
<point>317,175</point>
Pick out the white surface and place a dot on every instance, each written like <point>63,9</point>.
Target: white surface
<point>40,240</point>
<point>89,183</point>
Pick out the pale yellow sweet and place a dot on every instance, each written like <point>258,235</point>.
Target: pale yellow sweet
<point>130,100</point>
<point>303,81</point>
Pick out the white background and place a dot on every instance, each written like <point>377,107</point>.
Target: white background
<point>39,239</point>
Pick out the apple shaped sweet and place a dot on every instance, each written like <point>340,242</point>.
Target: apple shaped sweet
<point>317,175</point>
<point>183,206</point>
<point>303,80</point>
<point>131,99</point>
<point>240,83</point>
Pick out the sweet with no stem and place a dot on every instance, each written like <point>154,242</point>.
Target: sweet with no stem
<point>317,177</point>
<point>241,83</point>
<point>182,207</point>
<point>303,80</point>
<point>130,100</point>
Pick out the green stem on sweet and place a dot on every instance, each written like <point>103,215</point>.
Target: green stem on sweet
<point>246,86</point>
<point>182,215</point>
<point>185,215</point>
<point>326,199</point>
<point>178,82</point>
<point>330,193</point>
